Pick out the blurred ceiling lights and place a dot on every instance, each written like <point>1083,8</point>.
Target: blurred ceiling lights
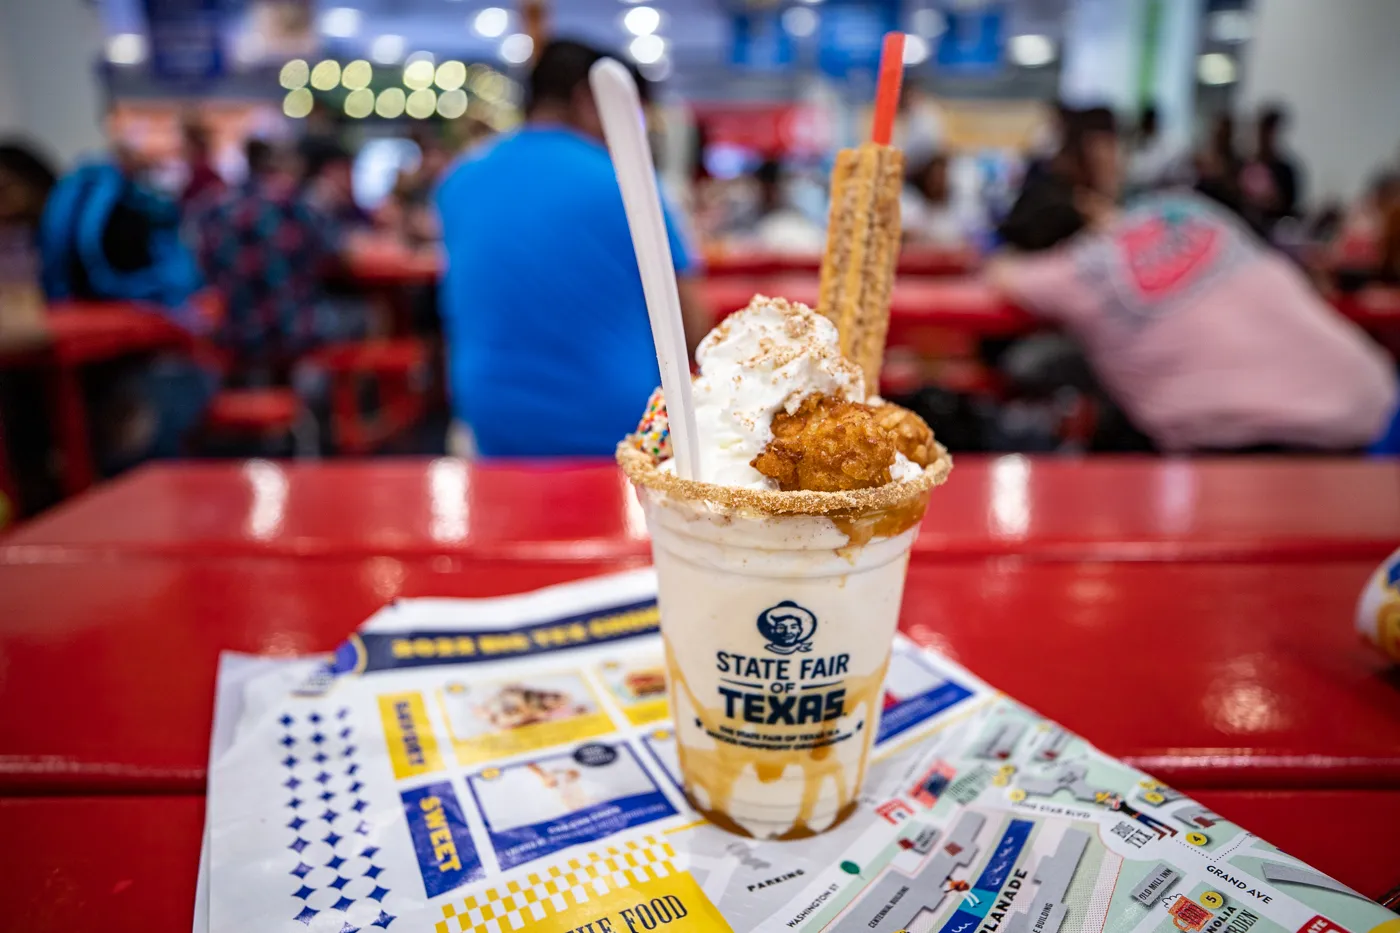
<point>390,103</point>
<point>452,104</point>
<point>799,21</point>
<point>294,74</point>
<point>1229,26</point>
<point>359,103</point>
<point>647,50</point>
<point>418,75</point>
<point>387,49</point>
<point>356,75</point>
<point>450,76</point>
<point>641,20</point>
<point>421,104</point>
<point>929,23</point>
<point>126,48</point>
<point>428,57</point>
<point>491,22</point>
<point>341,22</point>
<point>1215,68</point>
<point>657,71</point>
<point>812,1</point>
<point>297,103</point>
<point>325,75</point>
<point>1032,51</point>
<point>517,48</point>
<point>915,50</point>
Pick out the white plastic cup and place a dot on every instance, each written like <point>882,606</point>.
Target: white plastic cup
<point>778,631</point>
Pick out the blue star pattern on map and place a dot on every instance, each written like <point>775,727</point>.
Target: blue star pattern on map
<point>331,868</point>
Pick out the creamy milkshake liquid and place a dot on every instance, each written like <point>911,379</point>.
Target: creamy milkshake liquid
<point>779,599</point>
<point>778,632</point>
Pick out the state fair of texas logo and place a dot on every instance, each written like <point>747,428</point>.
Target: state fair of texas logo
<point>787,627</point>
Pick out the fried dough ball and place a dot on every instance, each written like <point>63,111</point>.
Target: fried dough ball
<point>912,437</point>
<point>827,445</point>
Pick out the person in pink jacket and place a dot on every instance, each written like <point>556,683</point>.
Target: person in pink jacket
<point>1205,337</point>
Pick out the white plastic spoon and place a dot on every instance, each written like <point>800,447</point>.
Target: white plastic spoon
<point>620,108</point>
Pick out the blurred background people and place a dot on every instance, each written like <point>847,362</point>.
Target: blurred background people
<point>106,235</point>
<point>1271,183</point>
<point>268,247</point>
<point>1218,164</point>
<point>1206,339</point>
<point>26,178</point>
<point>357,207</point>
<point>930,211</point>
<point>779,225</point>
<point>1077,184</point>
<point>1359,246</point>
<point>412,216</point>
<point>549,347</point>
<point>1154,161</point>
<point>202,180</point>
<point>327,182</point>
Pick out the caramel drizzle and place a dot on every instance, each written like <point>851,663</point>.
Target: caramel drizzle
<point>716,770</point>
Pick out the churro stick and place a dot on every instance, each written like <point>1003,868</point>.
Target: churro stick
<point>863,231</point>
<point>862,250</point>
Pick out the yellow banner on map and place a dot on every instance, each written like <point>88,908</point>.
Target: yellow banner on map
<point>639,714</point>
<point>641,891</point>
<point>413,747</point>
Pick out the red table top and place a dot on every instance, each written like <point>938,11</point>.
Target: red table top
<point>964,303</point>
<point>1209,675</point>
<point>1042,508</point>
<point>914,260</point>
<point>133,861</point>
<point>120,864</point>
<point>381,263</point>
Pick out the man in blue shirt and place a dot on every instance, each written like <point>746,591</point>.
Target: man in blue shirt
<point>549,344</point>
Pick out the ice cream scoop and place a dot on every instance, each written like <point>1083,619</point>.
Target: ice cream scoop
<point>758,362</point>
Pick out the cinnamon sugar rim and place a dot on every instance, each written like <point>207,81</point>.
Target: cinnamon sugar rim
<point>644,471</point>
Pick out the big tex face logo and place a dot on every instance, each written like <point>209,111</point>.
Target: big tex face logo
<point>787,627</point>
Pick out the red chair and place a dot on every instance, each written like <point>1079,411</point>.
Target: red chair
<point>264,414</point>
<point>399,369</point>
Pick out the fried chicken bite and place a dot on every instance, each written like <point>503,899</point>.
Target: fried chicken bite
<point>912,437</point>
<point>827,445</point>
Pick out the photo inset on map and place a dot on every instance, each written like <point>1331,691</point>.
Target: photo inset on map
<point>537,807</point>
<point>639,687</point>
<point>527,714</point>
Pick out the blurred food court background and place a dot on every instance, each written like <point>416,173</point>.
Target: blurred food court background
<point>360,227</point>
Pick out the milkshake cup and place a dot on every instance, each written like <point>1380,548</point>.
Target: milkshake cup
<point>782,495</point>
<point>778,610</point>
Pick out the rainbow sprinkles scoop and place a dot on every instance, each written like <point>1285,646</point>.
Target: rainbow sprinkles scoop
<point>654,431</point>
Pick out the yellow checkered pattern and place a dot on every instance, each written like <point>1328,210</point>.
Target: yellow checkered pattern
<point>560,888</point>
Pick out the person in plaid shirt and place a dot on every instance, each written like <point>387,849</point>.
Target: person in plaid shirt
<point>268,246</point>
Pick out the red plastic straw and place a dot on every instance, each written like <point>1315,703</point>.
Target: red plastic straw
<point>887,91</point>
